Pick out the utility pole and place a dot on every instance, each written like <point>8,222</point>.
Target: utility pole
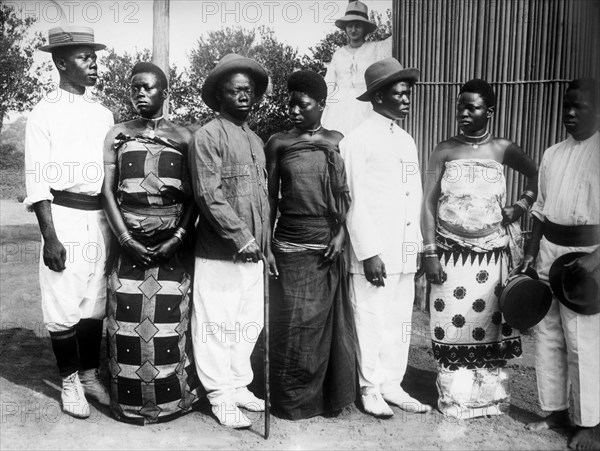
<point>160,40</point>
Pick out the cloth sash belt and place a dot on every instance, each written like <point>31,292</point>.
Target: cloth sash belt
<point>573,235</point>
<point>305,229</point>
<point>76,200</point>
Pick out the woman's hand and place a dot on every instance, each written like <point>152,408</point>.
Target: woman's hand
<point>528,262</point>
<point>165,250</point>
<point>272,264</point>
<point>334,248</point>
<point>433,270</point>
<point>511,214</point>
<point>139,253</point>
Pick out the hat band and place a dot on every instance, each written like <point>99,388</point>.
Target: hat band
<point>61,38</point>
<point>356,13</point>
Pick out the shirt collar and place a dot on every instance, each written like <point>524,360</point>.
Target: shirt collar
<point>590,140</point>
<point>393,125</point>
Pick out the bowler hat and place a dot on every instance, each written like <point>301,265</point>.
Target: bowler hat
<point>524,300</point>
<point>70,35</point>
<point>579,293</point>
<point>232,63</point>
<point>386,72</point>
<point>356,11</point>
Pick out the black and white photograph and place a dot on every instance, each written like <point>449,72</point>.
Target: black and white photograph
<point>335,224</point>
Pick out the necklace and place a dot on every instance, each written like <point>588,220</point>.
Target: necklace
<point>154,121</point>
<point>313,131</point>
<point>475,141</point>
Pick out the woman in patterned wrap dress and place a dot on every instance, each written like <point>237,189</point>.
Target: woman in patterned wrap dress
<point>470,241</point>
<point>147,199</point>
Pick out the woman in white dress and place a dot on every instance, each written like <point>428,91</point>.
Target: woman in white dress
<point>345,74</point>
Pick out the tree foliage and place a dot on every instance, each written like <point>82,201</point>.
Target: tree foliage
<point>20,84</point>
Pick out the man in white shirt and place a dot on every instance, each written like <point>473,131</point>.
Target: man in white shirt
<point>566,219</point>
<point>383,223</point>
<point>63,174</point>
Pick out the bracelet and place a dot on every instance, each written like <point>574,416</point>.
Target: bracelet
<point>125,237</point>
<point>523,204</point>
<point>430,256</point>
<point>530,196</point>
<point>429,247</point>
<point>180,234</point>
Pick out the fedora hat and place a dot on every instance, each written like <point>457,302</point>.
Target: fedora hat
<point>580,294</point>
<point>356,11</point>
<point>230,63</point>
<point>70,35</point>
<point>383,73</point>
<point>524,300</point>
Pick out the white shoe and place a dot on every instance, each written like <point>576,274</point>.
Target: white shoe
<point>374,404</point>
<point>245,399</point>
<point>73,398</point>
<point>93,386</point>
<point>406,402</point>
<point>229,415</point>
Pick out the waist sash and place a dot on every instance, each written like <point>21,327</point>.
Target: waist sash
<point>76,200</point>
<point>573,235</point>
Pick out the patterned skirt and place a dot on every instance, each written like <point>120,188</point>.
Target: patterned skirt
<point>470,340</point>
<point>153,377</point>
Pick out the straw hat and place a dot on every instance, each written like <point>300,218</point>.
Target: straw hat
<point>70,35</point>
<point>524,300</point>
<point>231,63</point>
<point>386,72</point>
<point>356,11</point>
<point>580,294</point>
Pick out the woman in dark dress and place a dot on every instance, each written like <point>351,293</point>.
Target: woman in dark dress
<point>312,347</point>
<point>148,203</point>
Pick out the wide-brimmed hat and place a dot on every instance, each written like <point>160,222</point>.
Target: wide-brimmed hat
<point>580,294</point>
<point>70,35</point>
<point>231,63</point>
<point>524,300</point>
<point>385,72</point>
<point>356,11</point>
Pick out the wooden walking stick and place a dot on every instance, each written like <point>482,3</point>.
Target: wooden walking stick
<point>266,346</point>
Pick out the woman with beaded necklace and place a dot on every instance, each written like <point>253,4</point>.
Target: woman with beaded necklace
<point>470,242</point>
<point>312,347</point>
<point>149,205</point>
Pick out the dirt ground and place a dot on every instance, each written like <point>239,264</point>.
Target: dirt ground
<point>30,415</point>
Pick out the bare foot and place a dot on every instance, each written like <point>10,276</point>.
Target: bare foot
<point>584,438</point>
<point>557,419</point>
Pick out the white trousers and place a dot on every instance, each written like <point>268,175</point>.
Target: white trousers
<point>567,351</point>
<point>78,292</point>
<point>227,319</point>
<point>383,318</point>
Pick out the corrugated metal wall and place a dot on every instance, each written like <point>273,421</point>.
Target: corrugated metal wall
<point>527,49</point>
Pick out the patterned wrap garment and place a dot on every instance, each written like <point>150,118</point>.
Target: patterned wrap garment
<point>152,373</point>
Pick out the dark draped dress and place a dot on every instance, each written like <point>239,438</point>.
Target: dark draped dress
<point>312,328</point>
<point>153,376</point>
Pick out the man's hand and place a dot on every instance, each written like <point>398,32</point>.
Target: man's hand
<point>511,214</point>
<point>250,254</point>
<point>375,271</point>
<point>55,255</point>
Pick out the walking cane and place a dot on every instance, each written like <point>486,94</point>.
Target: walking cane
<point>266,346</point>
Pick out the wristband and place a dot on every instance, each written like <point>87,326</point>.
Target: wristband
<point>429,248</point>
<point>180,234</point>
<point>125,237</point>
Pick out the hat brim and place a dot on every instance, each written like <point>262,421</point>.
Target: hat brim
<point>342,23</point>
<point>524,301</point>
<point>48,48</point>
<point>410,74</point>
<point>590,304</point>
<point>258,73</point>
